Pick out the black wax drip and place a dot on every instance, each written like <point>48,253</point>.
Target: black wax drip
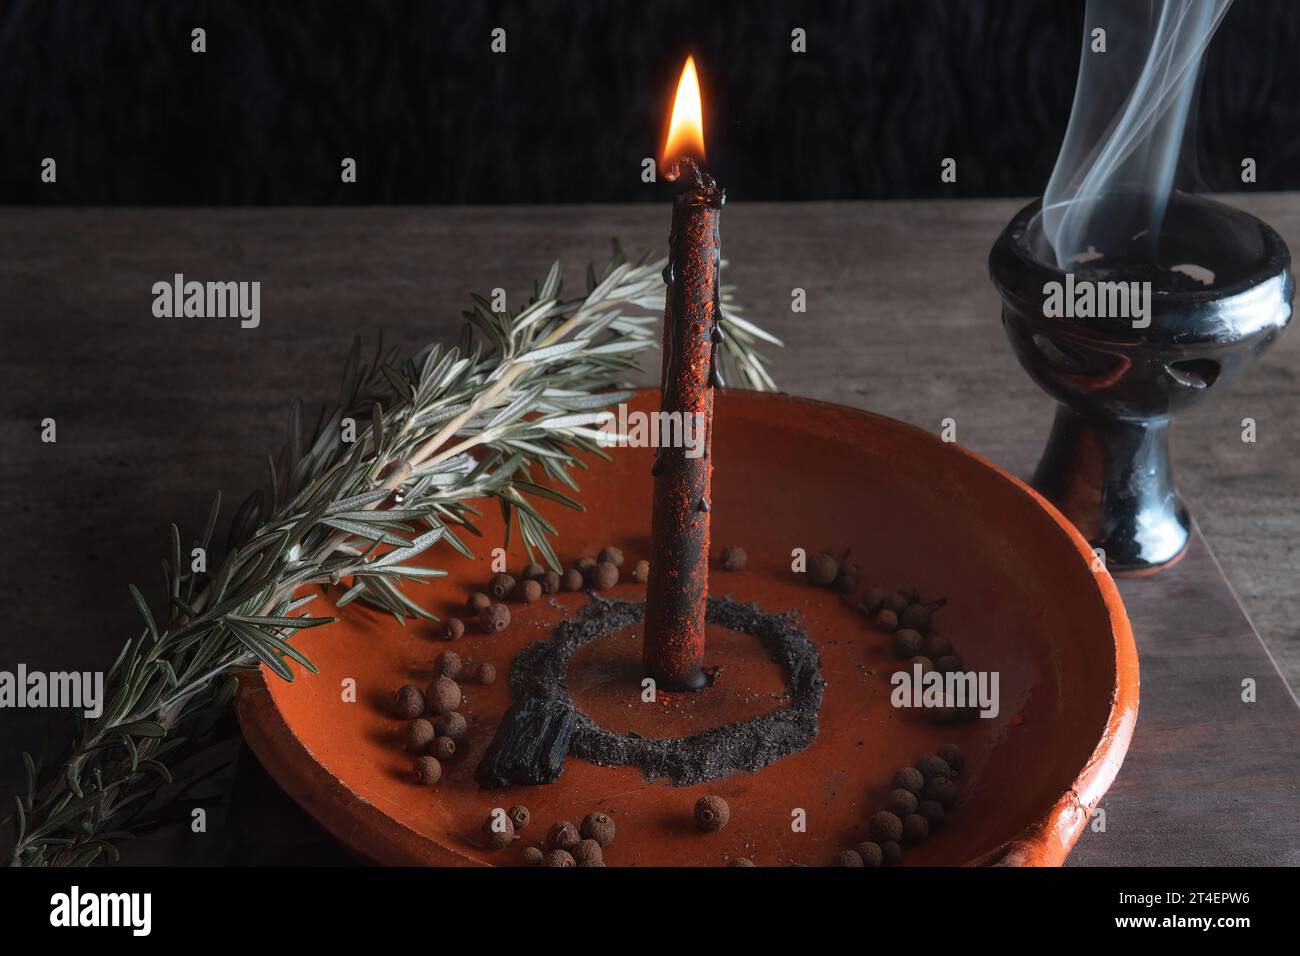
<point>674,306</point>
<point>716,335</point>
<point>670,315</point>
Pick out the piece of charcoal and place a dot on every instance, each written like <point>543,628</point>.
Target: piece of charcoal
<point>529,746</point>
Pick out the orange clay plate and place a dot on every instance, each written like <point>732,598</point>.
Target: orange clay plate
<point>1022,600</point>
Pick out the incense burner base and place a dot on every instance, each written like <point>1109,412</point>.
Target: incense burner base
<point>1121,378</point>
<point>1114,478</point>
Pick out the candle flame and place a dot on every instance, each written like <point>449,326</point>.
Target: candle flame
<point>686,129</point>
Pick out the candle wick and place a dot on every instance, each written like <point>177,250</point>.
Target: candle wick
<point>686,169</point>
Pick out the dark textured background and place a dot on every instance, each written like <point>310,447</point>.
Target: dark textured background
<point>411,91</point>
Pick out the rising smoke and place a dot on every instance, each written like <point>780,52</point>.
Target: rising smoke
<point>1112,179</point>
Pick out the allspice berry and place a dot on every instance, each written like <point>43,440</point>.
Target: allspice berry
<point>599,827</point>
<point>927,665</point>
<point>641,571</point>
<point>886,827</point>
<point>874,599</point>
<point>572,580</point>
<point>587,851</point>
<point>427,770</point>
<point>917,617</point>
<point>933,812</point>
<point>897,603</point>
<point>409,702</point>
<point>915,829</point>
<point>907,643</point>
<point>528,591</point>
<point>532,571</point>
<point>604,576</point>
<point>901,802</point>
<point>891,854</point>
<point>823,569</point>
<point>846,584</point>
<point>711,814</point>
<point>452,725</point>
<point>485,674</point>
<point>454,629</point>
<point>533,856</point>
<point>847,858</point>
<point>444,748</point>
<point>558,858</point>
<point>741,861</point>
<point>931,767</point>
<point>550,582</point>
<point>734,558</point>
<point>519,816</point>
<point>563,835</point>
<point>419,735</point>
<point>870,854</point>
<point>941,790</point>
<point>443,695</point>
<point>886,620</point>
<point>498,831</point>
<point>448,664</point>
<point>478,603</point>
<point>909,778</point>
<point>611,554</point>
<point>501,585</point>
<point>936,646</point>
<point>584,564</point>
<point>591,863</point>
<point>948,664</point>
<point>951,755</point>
<point>495,618</point>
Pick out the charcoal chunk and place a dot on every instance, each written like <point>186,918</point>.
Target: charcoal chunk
<point>529,746</point>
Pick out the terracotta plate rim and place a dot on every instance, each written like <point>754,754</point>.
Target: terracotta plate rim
<point>356,822</point>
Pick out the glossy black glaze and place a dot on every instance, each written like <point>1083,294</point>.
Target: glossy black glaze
<point>1106,465</point>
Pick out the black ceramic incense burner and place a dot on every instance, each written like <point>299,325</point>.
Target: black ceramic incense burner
<point>1120,379</point>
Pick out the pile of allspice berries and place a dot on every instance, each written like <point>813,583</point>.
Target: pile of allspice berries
<point>564,845</point>
<point>489,610</point>
<point>903,614</point>
<point>919,802</point>
<point>437,727</point>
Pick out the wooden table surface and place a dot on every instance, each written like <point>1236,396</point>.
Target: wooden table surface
<point>156,414</point>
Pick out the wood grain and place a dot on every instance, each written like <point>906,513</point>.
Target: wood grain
<point>156,414</point>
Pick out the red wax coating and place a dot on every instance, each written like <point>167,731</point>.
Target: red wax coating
<point>678,588</point>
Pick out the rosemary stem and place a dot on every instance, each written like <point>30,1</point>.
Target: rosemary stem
<point>163,692</point>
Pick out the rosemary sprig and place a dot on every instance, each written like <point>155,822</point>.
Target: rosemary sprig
<point>511,404</point>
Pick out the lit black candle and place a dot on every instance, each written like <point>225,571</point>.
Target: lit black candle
<point>677,591</point>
